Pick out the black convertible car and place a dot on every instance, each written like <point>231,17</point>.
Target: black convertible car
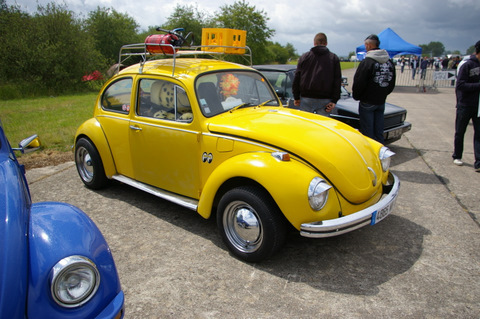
<point>346,110</point>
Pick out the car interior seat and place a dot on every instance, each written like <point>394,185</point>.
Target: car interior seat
<point>209,100</point>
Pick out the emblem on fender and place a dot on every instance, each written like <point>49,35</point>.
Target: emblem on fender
<point>207,158</point>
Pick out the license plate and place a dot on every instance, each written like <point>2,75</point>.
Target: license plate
<point>395,134</point>
<point>383,212</point>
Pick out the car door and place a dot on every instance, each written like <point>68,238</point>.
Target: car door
<point>163,144</point>
<point>114,119</point>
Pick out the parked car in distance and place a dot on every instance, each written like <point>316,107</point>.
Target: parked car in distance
<point>213,137</point>
<point>281,77</point>
<point>55,262</point>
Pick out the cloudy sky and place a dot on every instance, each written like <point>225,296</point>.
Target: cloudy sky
<point>455,23</point>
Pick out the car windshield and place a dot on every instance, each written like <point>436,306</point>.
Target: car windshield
<point>222,91</point>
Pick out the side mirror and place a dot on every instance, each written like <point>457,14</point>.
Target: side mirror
<point>29,144</point>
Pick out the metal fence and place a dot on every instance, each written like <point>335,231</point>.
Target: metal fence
<point>430,79</point>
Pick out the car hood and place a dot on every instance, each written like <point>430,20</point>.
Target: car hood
<point>351,105</point>
<point>341,154</point>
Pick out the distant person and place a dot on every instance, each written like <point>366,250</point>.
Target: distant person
<point>467,91</point>
<point>445,63</point>
<point>423,68</point>
<point>402,64</point>
<point>373,81</point>
<point>414,65</point>
<point>452,64</point>
<point>317,83</point>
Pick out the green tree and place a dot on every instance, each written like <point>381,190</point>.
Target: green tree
<point>63,52</point>
<point>470,50</point>
<point>191,20</point>
<point>15,29</point>
<point>111,30</point>
<point>240,15</point>
<point>433,49</point>
<point>278,53</point>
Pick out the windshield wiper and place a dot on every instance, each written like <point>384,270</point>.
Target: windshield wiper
<point>267,101</point>
<point>250,104</point>
<point>240,106</point>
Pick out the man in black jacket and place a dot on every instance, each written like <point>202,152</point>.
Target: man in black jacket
<point>373,81</point>
<point>468,90</point>
<point>317,83</point>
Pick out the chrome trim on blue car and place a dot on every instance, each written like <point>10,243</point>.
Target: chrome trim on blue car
<point>345,224</point>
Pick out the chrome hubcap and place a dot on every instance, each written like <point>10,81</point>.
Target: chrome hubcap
<point>84,164</point>
<point>243,227</point>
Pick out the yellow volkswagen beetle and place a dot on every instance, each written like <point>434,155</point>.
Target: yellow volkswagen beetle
<point>213,136</point>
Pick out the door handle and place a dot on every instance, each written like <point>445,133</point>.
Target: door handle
<point>136,128</point>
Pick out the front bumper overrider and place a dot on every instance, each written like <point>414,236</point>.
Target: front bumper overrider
<point>368,216</point>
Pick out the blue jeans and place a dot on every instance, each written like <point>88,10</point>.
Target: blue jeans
<point>314,105</point>
<point>372,120</point>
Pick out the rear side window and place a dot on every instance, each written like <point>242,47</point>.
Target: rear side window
<point>116,97</point>
<point>163,100</point>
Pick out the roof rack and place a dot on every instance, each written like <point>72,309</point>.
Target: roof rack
<point>215,51</point>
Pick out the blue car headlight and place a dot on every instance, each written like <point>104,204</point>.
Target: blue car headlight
<point>74,281</point>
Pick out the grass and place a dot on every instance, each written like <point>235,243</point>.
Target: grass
<point>54,119</point>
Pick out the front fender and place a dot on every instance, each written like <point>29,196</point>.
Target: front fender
<point>92,129</point>
<point>59,230</point>
<point>286,181</point>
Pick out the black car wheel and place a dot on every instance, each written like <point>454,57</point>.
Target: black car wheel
<point>250,223</point>
<point>89,164</point>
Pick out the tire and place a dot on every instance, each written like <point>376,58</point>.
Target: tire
<point>252,207</point>
<point>89,165</point>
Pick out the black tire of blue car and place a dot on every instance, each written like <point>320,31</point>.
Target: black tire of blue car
<point>250,223</point>
<point>89,165</point>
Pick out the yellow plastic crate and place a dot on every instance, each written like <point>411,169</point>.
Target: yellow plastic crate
<point>226,37</point>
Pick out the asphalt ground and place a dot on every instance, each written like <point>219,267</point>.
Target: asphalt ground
<point>423,261</point>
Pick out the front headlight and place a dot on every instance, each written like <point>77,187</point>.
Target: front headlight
<point>318,193</point>
<point>74,281</point>
<point>385,156</point>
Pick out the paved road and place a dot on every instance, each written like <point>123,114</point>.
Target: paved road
<point>423,261</point>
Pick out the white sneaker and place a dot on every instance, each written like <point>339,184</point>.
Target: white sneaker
<point>458,162</point>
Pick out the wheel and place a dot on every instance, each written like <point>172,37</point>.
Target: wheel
<point>250,223</point>
<point>89,165</point>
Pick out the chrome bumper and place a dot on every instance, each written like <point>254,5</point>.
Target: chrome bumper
<point>367,216</point>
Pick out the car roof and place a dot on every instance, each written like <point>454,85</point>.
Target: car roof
<point>182,66</point>
<point>276,67</point>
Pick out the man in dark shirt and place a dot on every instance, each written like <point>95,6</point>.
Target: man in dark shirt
<point>373,81</point>
<point>318,79</point>
<point>467,91</point>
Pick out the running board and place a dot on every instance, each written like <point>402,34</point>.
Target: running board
<point>172,197</point>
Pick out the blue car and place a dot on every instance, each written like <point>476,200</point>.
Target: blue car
<point>55,263</point>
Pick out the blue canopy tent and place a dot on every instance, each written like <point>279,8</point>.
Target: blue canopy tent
<point>393,43</point>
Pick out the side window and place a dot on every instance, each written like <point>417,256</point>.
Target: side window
<point>116,97</point>
<point>163,100</point>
